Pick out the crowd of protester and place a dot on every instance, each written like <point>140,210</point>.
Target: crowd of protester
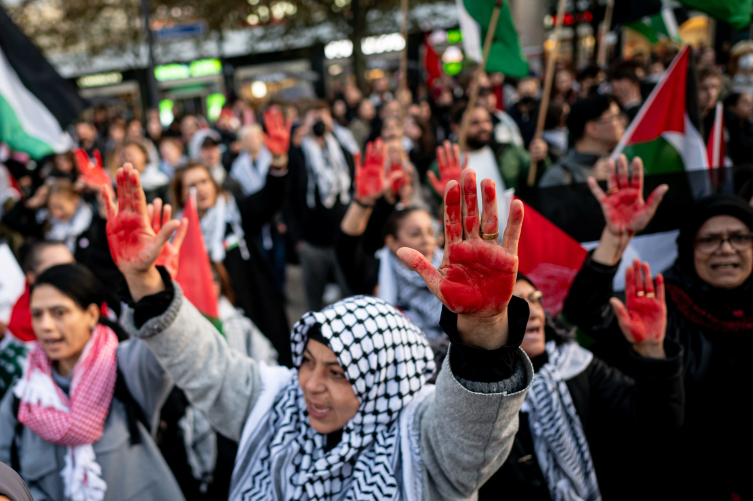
<point>427,367</point>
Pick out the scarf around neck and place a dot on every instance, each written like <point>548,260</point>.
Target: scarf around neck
<point>214,228</point>
<point>330,176</point>
<point>558,438</point>
<point>387,360</point>
<point>251,175</point>
<point>68,231</point>
<point>74,421</point>
<point>404,288</point>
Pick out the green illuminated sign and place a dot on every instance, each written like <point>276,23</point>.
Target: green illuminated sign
<point>215,102</point>
<point>178,71</point>
<point>453,68</point>
<point>166,72</point>
<point>205,67</point>
<point>454,36</point>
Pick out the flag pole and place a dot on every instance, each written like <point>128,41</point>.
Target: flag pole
<point>601,58</point>
<point>474,89</point>
<point>403,87</point>
<point>544,105</point>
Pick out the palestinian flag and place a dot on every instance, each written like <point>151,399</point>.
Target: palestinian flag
<point>505,55</point>
<point>734,12</point>
<point>666,133</point>
<point>194,272</point>
<point>36,104</point>
<point>715,148</point>
<point>659,27</point>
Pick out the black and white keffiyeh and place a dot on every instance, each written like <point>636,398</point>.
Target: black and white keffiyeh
<point>250,174</point>
<point>558,438</point>
<point>68,231</point>
<point>222,228</point>
<point>327,171</point>
<point>402,287</point>
<point>387,360</point>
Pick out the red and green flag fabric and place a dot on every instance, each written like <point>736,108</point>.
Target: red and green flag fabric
<point>194,272</point>
<point>734,12</point>
<point>36,103</point>
<point>666,133</point>
<point>505,55</point>
<point>658,27</point>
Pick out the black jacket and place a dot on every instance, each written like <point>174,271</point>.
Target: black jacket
<point>708,458</point>
<point>608,403</point>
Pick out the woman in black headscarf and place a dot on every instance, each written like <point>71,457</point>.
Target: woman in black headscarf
<point>710,314</point>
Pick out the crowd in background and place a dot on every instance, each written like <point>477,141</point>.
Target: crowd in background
<point>659,420</point>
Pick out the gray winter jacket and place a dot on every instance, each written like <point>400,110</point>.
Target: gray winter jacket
<point>573,168</point>
<point>466,429</point>
<point>132,472</point>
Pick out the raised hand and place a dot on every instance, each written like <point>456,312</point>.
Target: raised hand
<point>448,160</point>
<point>277,137</point>
<point>160,216</point>
<point>624,209</point>
<point>134,244</point>
<point>644,321</point>
<point>93,175</point>
<point>371,182</point>
<point>477,275</point>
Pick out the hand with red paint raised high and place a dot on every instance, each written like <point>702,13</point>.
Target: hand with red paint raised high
<point>370,179</point>
<point>625,211</point>
<point>277,137</point>
<point>134,244</point>
<point>160,216</point>
<point>477,275</point>
<point>93,175</point>
<point>448,161</point>
<point>644,321</point>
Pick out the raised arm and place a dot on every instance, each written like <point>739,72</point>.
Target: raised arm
<point>467,428</point>
<point>220,382</point>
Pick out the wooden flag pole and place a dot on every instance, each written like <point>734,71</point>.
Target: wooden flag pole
<point>474,89</point>
<point>403,86</point>
<point>550,65</point>
<point>601,58</point>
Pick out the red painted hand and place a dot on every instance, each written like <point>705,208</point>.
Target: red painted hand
<point>134,244</point>
<point>277,137</point>
<point>93,175</point>
<point>448,160</point>
<point>644,321</point>
<point>624,209</point>
<point>160,216</point>
<point>477,276</point>
<point>370,177</point>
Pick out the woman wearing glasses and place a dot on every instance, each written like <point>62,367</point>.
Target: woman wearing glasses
<point>710,314</point>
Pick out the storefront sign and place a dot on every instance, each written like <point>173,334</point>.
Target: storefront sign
<point>180,71</point>
<point>100,79</point>
<point>369,45</point>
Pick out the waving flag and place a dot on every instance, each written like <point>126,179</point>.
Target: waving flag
<point>194,272</point>
<point>716,147</point>
<point>734,12</point>
<point>36,104</point>
<point>505,55</point>
<point>666,132</point>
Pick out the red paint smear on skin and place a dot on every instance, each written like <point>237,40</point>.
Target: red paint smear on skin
<point>124,236</point>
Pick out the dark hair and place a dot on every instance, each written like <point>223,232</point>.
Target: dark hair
<point>318,105</point>
<point>625,70</point>
<point>140,145</point>
<point>458,109</point>
<point>395,219</point>
<point>731,100</point>
<point>30,251</point>
<point>75,281</point>
<point>585,110</point>
<point>708,71</point>
<point>591,71</point>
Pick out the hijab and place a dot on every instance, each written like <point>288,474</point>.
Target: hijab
<point>12,486</point>
<point>386,360</point>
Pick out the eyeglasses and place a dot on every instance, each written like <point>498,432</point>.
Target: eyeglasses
<point>534,297</point>
<point>710,244</point>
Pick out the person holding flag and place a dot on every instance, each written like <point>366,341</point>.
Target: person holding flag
<point>710,314</point>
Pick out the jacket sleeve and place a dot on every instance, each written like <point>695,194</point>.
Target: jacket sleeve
<point>653,400</point>
<point>466,429</point>
<point>220,382</point>
<point>260,208</point>
<point>23,220</point>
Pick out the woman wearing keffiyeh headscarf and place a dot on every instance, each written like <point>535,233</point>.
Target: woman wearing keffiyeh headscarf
<point>355,419</point>
<point>76,425</point>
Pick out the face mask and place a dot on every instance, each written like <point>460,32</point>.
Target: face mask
<point>746,62</point>
<point>319,129</point>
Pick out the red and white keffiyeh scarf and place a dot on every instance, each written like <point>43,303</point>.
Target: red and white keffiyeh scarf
<point>77,421</point>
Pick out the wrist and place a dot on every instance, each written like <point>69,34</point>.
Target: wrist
<point>279,161</point>
<point>611,247</point>
<point>650,350</point>
<point>144,283</point>
<point>364,203</point>
<point>489,333</point>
